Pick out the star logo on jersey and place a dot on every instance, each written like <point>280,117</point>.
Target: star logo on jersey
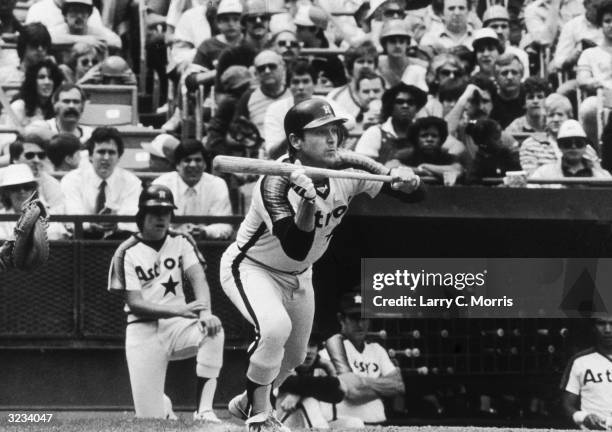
<point>170,286</point>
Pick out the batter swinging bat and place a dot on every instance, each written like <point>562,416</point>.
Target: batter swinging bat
<point>233,164</point>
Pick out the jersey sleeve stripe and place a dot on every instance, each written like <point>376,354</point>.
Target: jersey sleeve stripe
<point>570,364</point>
<point>117,273</point>
<point>193,243</point>
<point>274,190</point>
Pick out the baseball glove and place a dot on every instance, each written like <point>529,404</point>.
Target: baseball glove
<point>31,247</point>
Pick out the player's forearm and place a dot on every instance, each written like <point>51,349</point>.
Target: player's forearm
<point>337,354</point>
<point>388,385</point>
<point>146,309</point>
<point>305,216</point>
<point>197,278</point>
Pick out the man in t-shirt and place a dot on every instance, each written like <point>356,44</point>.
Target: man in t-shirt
<point>369,361</point>
<point>587,380</point>
<point>509,101</point>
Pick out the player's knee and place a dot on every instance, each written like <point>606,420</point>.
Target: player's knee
<point>276,331</point>
<point>210,356</point>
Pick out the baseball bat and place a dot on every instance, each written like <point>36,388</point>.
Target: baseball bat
<point>234,164</point>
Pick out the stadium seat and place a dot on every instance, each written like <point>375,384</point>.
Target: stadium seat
<point>110,105</point>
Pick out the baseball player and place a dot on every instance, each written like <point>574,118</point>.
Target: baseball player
<point>148,269</point>
<point>587,381</point>
<point>267,272</point>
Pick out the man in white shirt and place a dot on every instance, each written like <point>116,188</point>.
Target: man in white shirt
<point>197,192</point>
<point>49,13</point>
<point>456,32</point>
<point>369,361</point>
<point>191,30</point>
<point>102,187</point>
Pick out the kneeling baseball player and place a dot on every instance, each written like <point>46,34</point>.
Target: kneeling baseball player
<point>267,272</point>
<point>149,268</point>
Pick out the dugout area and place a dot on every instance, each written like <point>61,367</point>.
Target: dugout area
<point>61,332</point>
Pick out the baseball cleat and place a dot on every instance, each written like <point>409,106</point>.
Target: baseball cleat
<point>265,422</point>
<point>237,407</point>
<point>207,416</point>
<point>168,412</point>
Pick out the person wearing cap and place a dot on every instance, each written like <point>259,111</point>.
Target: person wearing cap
<point>256,22</point>
<point>197,192</point>
<point>17,184</point>
<point>150,269</point>
<point>542,149</point>
<point>509,100</point>
<point>301,82</point>
<point>227,20</point>
<point>310,25</point>
<point>267,272</point>
<point>388,142</point>
<point>395,40</point>
<point>586,384</point>
<point>456,30</point>
<point>191,30</point>
<point>64,152</point>
<point>31,150</point>
<point>380,378</point>
<point>487,49</point>
<point>161,152</point>
<point>75,27</point>
<point>113,70</point>
<point>497,18</point>
<point>572,141</point>
<point>49,13</point>
<point>379,12</point>
<point>534,120</point>
<point>271,74</point>
<point>102,187</point>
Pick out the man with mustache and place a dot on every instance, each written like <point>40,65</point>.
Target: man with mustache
<point>101,187</point>
<point>75,27</point>
<point>197,192</point>
<point>69,101</point>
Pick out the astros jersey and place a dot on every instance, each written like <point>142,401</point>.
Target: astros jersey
<point>137,266</point>
<point>373,362</point>
<point>589,375</point>
<point>274,199</point>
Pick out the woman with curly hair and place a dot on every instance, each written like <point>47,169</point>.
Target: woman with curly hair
<point>445,69</point>
<point>33,102</point>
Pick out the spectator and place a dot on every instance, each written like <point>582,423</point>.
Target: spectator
<point>444,69</point>
<point>64,152</point>
<point>236,80</point>
<point>286,44</point>
<point>33,44</point>
<point>196,192</point>
<point>395,40</point>
<point>8,23</point>
<point>161,152</point>
<point>69,101</point>
<point>75,27</point>
<point>509,101</point>
<point>586,397</point>
<point>270,71</point>
<point>191,30</point>
<point>493,158</point>
<point>102,187</point>
<point>534,120</point>
<point>310,32</point>
<point>33,102</point>
<point>580,33</point>
<point>227,20</point>
<point>497,18</point>
<point>113,70</point>
<point>49,13</point>
<point>370,362</point>
<point>487,49</point>
<point>356,59</point>
<point>31,150</point>
<point>16,186</point>
<point>537,150</point>
<point>544,17</point>
<point>572,142</point>
<point>370,87</point>
<point>79,67</point>
<point>389,141</point>
<point>456,31</point>
<point>301,84</point>
<point>380,12</point>
<point>466,57</point>
<point>256,22</point>
<point>427,135</point>
<point>449,93</point>
<point>594,70</point>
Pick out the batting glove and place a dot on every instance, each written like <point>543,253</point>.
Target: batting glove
<point>302,184</point>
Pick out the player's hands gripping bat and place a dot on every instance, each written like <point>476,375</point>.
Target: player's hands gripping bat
<point>404,179</point>
<point>302,184</point>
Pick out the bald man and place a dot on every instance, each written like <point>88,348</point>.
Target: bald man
<point>270,73</point>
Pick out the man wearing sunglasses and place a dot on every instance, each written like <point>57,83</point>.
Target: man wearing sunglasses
<point>255,21</point>
<point>572,142</point>
<point>31,150</point>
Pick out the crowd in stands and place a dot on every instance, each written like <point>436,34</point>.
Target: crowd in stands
<point>459,91</point>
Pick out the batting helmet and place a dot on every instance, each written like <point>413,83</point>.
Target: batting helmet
<point>309,114</point>
<point>156,196</point>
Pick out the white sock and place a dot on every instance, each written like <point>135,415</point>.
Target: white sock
<point>208,394</point>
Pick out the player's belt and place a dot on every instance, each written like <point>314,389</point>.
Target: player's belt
<point>139,320</point>
<point>267,267</point>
